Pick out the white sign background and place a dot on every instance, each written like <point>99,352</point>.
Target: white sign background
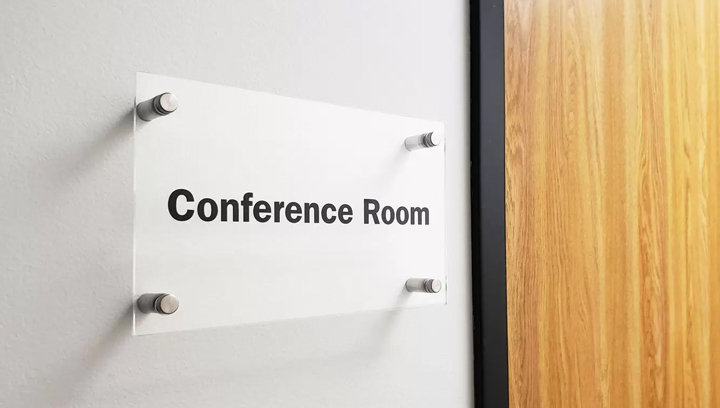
<point>223,142</point>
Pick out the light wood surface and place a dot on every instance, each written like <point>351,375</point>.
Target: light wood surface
<point>613,202</point>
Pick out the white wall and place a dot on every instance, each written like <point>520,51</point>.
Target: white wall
<point>67,72</point>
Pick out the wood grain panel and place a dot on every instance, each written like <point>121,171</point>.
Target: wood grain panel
<point>613,202</point>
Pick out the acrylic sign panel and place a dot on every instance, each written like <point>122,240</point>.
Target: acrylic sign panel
<point>252,207</point>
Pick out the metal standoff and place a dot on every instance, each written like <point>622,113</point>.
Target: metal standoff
<point>423,141</point>
<point>424,285</point>
<point>161,105</point>
<point>161,303</point>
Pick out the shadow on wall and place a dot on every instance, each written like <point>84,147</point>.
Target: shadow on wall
<point>369,341</point>
<point>70,172</point>
<point>97,150</point>
<point>64,387</point>
<point>66,384</point>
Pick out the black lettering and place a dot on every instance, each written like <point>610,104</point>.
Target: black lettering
<point>172,204</point>
<point>260,208</point>
<point>325,208</point>
<point>224,204</point>
<point>402,215</point>
<point>308,207</point>
<point>202,205</point>
<point>388,215</point>
<point>419,212</point>
<point>371,212</point>
<point>278,205</point>
<point>292,210</point>
<point>345,214</point>
<point>246,204</point>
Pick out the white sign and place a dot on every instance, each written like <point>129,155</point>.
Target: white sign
<point>253,207</point>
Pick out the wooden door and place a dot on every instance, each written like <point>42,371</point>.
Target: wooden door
<point>613,202</point>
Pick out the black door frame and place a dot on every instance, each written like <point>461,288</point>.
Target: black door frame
<point>487,175</point>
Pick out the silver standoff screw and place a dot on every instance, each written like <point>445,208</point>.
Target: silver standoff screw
<point>424,285</point>
<point>161,105</point>
<point>161,303</point>
<point>424,141</point>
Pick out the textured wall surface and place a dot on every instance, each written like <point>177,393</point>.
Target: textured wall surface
<point>67,72</point>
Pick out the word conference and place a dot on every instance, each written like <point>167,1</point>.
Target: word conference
<point>182,207</point>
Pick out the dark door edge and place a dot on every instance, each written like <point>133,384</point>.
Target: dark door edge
<point>487,155</point>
